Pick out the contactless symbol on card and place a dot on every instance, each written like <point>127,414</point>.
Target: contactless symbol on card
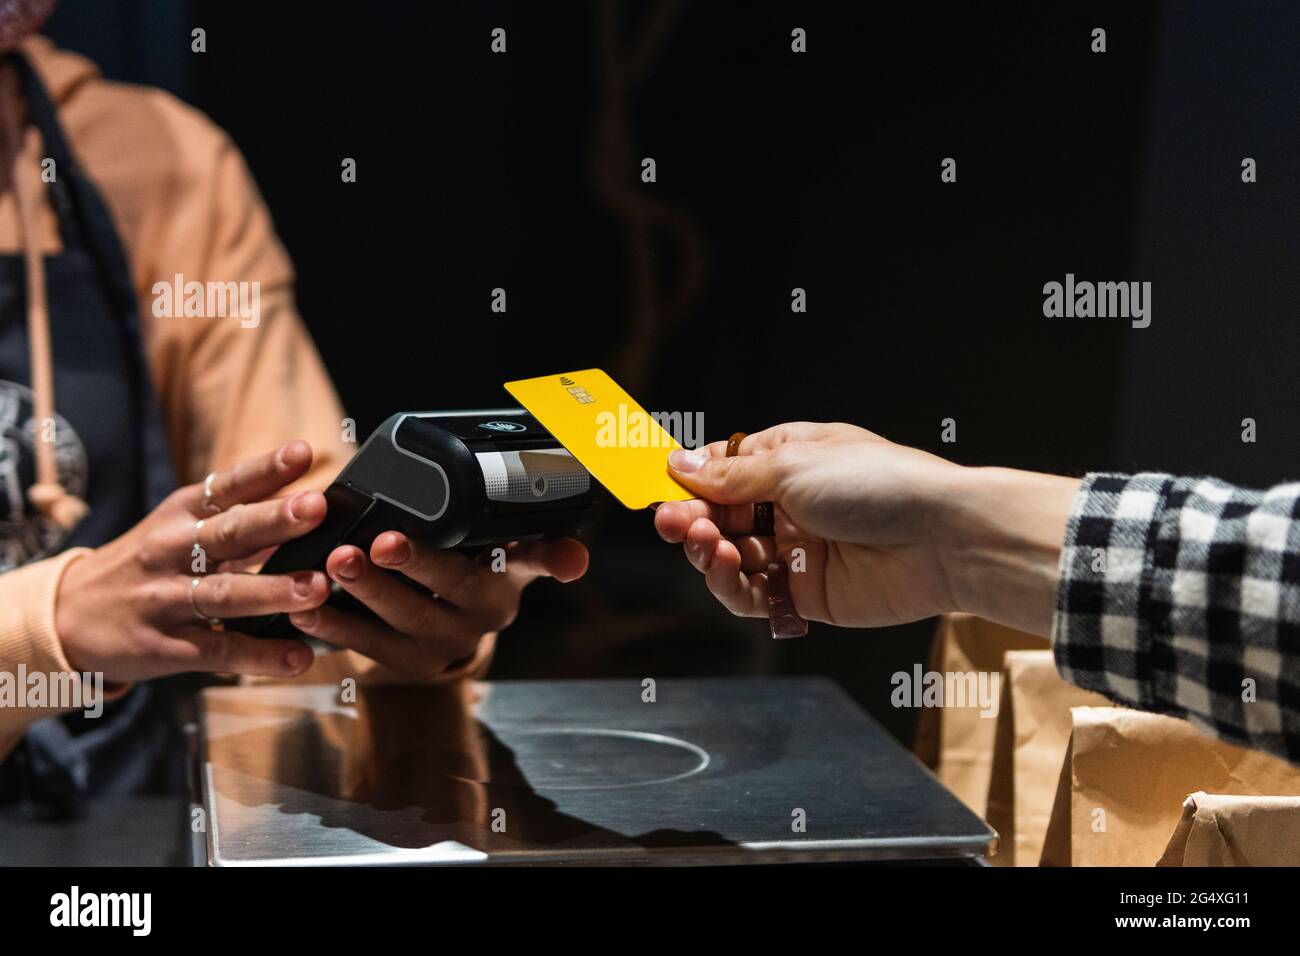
<point>577,391</point>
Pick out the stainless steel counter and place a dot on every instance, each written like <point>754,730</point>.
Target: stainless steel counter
<point>714,771</point>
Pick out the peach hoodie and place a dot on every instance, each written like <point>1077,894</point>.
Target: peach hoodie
<point>183,202</point>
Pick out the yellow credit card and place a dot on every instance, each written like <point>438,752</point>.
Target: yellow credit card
<point>602,426</point>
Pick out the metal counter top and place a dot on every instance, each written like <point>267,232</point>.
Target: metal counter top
<point>713,771</point>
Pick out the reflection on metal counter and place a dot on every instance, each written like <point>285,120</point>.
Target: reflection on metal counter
<point>713,771</point>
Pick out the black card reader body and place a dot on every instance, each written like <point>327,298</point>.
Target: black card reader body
<point>447,479</point>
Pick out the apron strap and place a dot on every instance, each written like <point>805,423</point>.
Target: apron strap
<point>82,212</point>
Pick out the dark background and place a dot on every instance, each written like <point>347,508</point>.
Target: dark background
<point>775,170</point>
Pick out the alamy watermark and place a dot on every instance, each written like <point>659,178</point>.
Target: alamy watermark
<point>133,911</point>
<point>633,428</point>
<point>1102,300</point>
<point>59,690</point>
<point>922,688</point>
<point>208,300</point>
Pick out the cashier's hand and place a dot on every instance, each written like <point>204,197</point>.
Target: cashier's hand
<point>889,533</point>
<point>130,610</point>
<point>423,637</point>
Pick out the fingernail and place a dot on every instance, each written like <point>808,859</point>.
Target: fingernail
<point>279,456</point>
<point>297,504</point>
<point>303,584</point>
<point>687,461</point>
<point>349,568</point>
<point>397,555</point>
<point>296,658</point>
<point>304,620</point>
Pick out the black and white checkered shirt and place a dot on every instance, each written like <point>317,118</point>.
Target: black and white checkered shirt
<point>1182,596</point>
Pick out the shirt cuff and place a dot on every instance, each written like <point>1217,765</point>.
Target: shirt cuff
<point>28,637</point>
<point>1100,635</point>
<point>27,632</point>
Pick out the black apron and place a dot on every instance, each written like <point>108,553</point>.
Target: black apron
<point>112,452</point>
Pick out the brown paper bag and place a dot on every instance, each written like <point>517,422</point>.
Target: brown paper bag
<point>1056,842</point>
<point>957,743</point>
<point>1129,773</point>
<point>1234,830</point>
<point>1033,733</point>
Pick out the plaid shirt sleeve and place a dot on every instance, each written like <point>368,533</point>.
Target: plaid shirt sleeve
<point>1182,596</point>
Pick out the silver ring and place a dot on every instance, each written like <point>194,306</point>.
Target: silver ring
<point>198,526</point>
<point>208,503</point>
<point>212,622</point>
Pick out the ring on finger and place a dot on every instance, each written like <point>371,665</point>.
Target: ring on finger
<point>764,513</point>
<point>198,547</point>
<point>212,622</point>
<point>208,504</point>
<point>783,619</point>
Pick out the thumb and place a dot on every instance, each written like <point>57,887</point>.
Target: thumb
<point>564,559</point>
<point>739,480</point>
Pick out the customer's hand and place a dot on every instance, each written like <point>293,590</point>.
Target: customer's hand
<point>874,533</point>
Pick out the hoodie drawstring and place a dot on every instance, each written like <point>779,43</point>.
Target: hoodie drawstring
<point>47,495</point>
